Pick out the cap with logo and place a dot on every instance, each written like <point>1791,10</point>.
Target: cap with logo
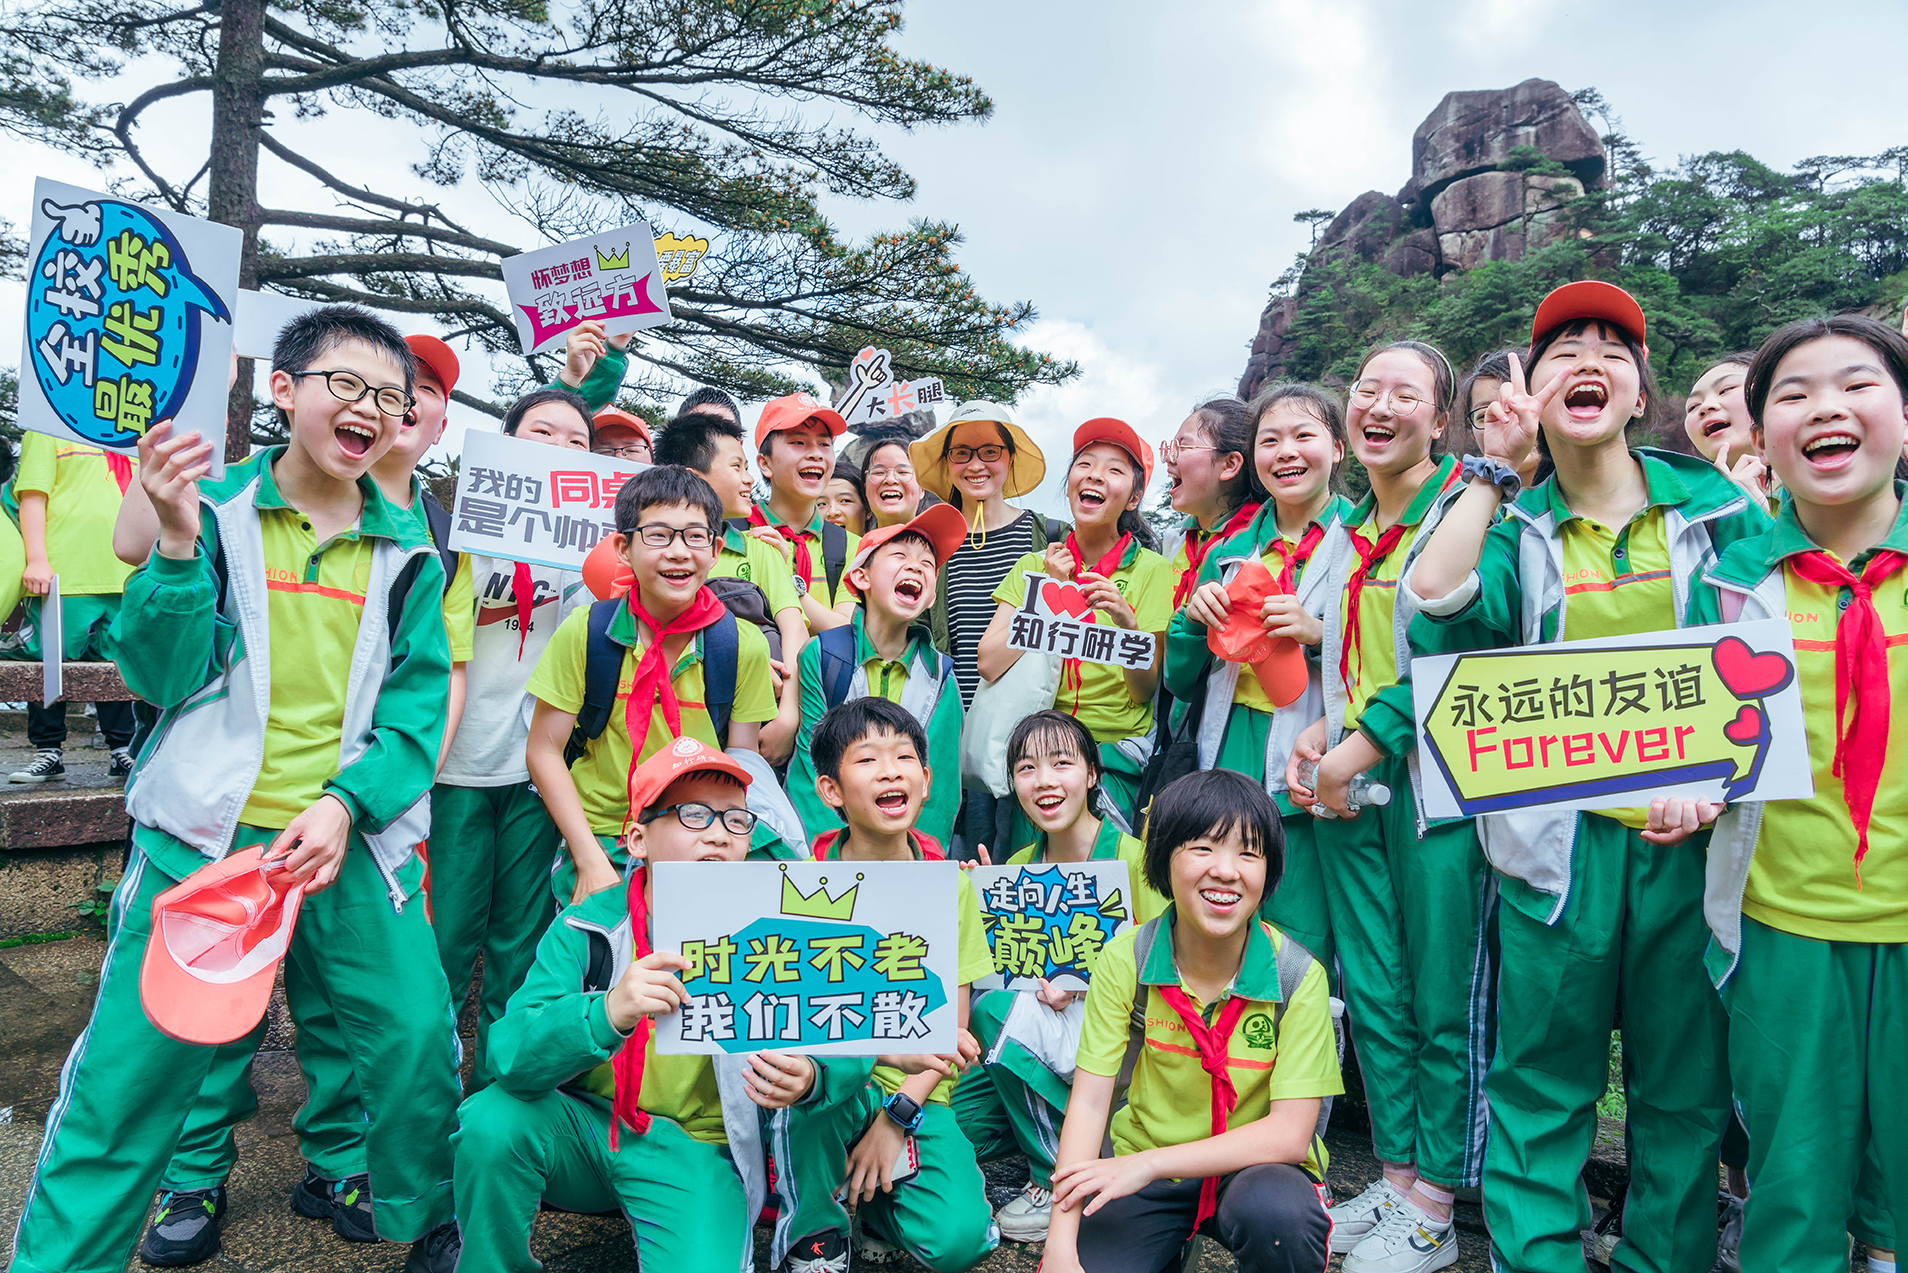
<point>940,524</point>
<point>794,410</point>
<point>1589,298</point>
<point>679,759</point>
<point>1116,433</point>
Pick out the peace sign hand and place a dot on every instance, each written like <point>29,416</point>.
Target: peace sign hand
<point>1510,423</point>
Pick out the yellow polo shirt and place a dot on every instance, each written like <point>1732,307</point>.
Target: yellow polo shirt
<point>817,560</point>
<point>82,502</point>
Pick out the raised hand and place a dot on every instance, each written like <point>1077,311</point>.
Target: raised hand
<point>1059,563</point>
<point>648,988</point>
<point>1511,423</point>
<point>581,348</point>
<point>1748,472</point>
<point>169,471</point>
<point>1101,593</point>
<point>1285,615</point>
<point>1209,604</point>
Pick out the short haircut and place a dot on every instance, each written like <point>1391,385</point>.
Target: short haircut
<point>708,401</point>
<point>694,775</point>
<point>549,393</point>
<point>665,484</point>
<point>1212,803</point>
<point>842,727</point>
<point>690,440</point>
<point>315,333</point>
<point>1890,347</point>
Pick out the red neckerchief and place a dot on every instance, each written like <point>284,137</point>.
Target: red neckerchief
<point>926,847</point>
<point>1861,668</point>
<point>524,589</point>
<point>1213,1043</point>
<point>1369,555</point>
<point>1292,558</point>
<point>627,1064</point>
<point>1199,543</point>
<point>121,468</point>
<point>651,680</point>
<point>1104,567</point>
<point>804,563</point>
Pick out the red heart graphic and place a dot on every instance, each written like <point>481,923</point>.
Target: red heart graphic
<point>1065,599</point>
<point>1748,674</point>
<point>1746,729</point>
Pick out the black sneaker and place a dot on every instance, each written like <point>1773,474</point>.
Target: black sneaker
<point>825,1252</point>
<point>436,1251</point>
<point>186,1230</point>
<point>45,766</point>
<point>312,1198</point>
<point>351,1209</point>
<point>120,767</point>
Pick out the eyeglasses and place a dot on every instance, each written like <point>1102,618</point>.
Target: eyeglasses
<point>346,387</point>
<point>1401,401</point>
<point>1477,417</point>
<point>698,817</point>
<point>661,535</point>
<point>960,455</point>
<point>1171,451</point>
<point>899,474</point>
<point>633,451</point>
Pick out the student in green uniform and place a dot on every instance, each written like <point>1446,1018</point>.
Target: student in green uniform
<point>585,1116</point>
<point>1297,434</point>
<point>1014,1104</point>
<point>795,449</point>
<point>1409,899</point>
<point>868,760</point>
<point>1109,556</point>
<point>1807,900</point>
<point>1225,1076</point>
<point>66,495</point>
<point>891,656</point>
<point>314,566</point>
<point>1600,922</point>
<point>1211,482</point>
<point>667,520</point>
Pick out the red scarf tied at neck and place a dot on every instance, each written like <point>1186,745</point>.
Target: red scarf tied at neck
<point>1369,555</point>
<point>120,467</point>
<point>627,1064</point>
<point>1104,567</point>
<point>1213,1042</point>
<point>1861,670</point>
<point>1292,557</point>
<point>1200,542</point>
<point>651,681</point>
<point>524,590</point>
<point>804,562</point>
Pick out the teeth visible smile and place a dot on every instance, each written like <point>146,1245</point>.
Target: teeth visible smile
<point>1220,897</point>
<point>892,801</point>
<point>1836,443</point>
<point>1590,395</point>
<point>1282,474</point>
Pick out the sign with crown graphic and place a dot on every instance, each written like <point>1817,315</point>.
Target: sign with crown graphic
<point>832,958</point>
<point>602,278</point>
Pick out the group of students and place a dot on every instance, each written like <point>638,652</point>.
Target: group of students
<point>461,754</point>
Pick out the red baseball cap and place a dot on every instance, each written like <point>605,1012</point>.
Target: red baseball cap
<point>792,412</point>
<point>616,415</point>
<point>685,756</point>
<point>1121,434</point>
<point>1589,298</point>
<point>438,357</point>
<point>941,524</point>
<point>217,938</point>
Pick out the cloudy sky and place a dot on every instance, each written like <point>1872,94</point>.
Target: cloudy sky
<point>1139,176</point>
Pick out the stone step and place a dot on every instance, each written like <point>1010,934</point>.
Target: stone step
<point>82,683</point>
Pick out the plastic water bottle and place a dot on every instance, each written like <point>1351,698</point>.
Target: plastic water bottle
<point>1363,790</point>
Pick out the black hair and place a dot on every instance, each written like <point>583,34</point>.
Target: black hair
<point>549,393</point>
<point>1744,358</point>
<point>690,440</point>
<point>1495,367</point>
<point>947,444</point>
<point>867,458</point>
<point>1889,345</point>
<point>315,333</point>
<point>722,776</point>
<point>662,484</point>
<point>1322,404</point>
<point>1645,378</point>
<point>1212,803</point>
<point>1050,731</point>
<point>1227,421</point>
<point>846,471</point>
<point>1443,378</point>
<point>1131,522</point>
<point>842,727</point>
<point>700,399</point>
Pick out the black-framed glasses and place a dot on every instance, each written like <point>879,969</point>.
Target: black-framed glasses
<point>661,535</point>
<point>633,451</point>
<point>347,386</point>
<point>989,454</point>
<point>1477,417</point>
<point>699,817</point>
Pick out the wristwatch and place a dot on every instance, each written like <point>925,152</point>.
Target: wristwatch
<point>906,1111</point>
<point>1500,475</point>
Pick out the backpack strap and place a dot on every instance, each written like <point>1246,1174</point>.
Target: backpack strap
<point>834,555</point>
<point>438,518</point>
<point>401,593</point>
<point>602,668</point>
<point>1293,963</point>
<point>838,647</point>
<point>721,650</point>
<point>1136,1026</point>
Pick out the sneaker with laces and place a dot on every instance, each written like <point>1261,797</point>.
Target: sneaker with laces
<point>436,1251</point>
<point>186,1230</point>
<point>120,767</point>
<point>1355,1218</point>
<point>824,1252</point>
<point>1024,1217</point>
<point>1407,1241</point>
<point>1729,1241</point>
<point>351,1217</point>
<point>47,765</point>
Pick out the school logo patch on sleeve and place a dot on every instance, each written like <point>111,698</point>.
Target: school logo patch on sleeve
<point>1257,1030</point>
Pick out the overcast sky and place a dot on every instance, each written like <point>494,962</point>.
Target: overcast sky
<point>1138,178</point>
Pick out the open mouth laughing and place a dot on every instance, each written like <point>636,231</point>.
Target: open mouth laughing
<point>1586,399</point>
<point>355,439</point>
<point>908,591</point>
<point>1091,499</point>
<point>1831,450</point>
<point>892,802</point>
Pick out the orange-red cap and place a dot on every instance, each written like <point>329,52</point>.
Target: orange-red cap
<point>616,415</point>
<point>1589,298</point>
<point>217,938</point>
<point>439,357</point>
<point>792,412</point>
<point>1121,434</point>
<point>941,524</point>
<point>685,756</point>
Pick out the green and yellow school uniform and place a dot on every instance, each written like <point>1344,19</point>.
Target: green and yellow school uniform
<point>818,565</point>
<point>82,502</point>
<point>741,556</point>
<point>1815,985</point>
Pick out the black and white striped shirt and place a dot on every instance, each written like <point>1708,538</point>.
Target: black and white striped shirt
<point>972,575</point>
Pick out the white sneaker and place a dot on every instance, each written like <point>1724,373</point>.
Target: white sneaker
<point>1024,1217</point>
<point>1355,1218</point>
<point>1408,1241</point>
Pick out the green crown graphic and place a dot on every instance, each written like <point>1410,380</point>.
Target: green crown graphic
<point>613,262</point>
<point>817,905</point>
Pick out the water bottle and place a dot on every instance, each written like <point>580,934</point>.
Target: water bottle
<point>1363,790</point>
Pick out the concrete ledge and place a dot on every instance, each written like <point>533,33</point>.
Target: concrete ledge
<point>43,819</point>
<point>83,682</point>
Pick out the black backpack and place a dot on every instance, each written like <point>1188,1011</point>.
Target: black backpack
<point>834,542</point>
<point>838,648</point>
<point>439,520</point>
<point>603,668</point>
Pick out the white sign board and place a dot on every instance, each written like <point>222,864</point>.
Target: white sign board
<point>1057,618</point>
<point>52,646</point>
<point>831,958</point>
<point>612,278</point>
<point>873,394</point>
<point>128,320</point>
<point>526,501</point>
<point>1048,920</point>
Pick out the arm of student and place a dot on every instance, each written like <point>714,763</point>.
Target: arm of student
<point>944,761</point>
<point>814,812</point>
<point>168,637</point>
<point>38,576</point>
<point>1443,575</point>
<point>820,618</point>
<point>1188,658</point>
<point>1143,682</point>
<point>593,366</point>
<point>992,657</point>
<point>453,710</point>
<point>550,728</point>
<point>1081,1135</point>
<point>136,528</point>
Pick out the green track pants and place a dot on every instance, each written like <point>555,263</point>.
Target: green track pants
<point>1628,951</point>
<point>1015,1105</point>
<point>1818,1055</point>
<point>126,1089</point>
<point>1298,906</point>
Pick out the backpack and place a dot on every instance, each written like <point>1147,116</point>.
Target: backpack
<point>838,649</point>
<point>603,668</point>
<point>748,603</point>
<point>834,542</point>
<point>438,518</point>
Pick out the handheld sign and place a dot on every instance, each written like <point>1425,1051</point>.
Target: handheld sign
<point>1048,920</point>
<point>873,394</point>
<point>833,958</point>
<point>612,278</point>
<point>1708,713</point>
<point>128,320</point>
<point>525,501</point>
<point>1057,618</point>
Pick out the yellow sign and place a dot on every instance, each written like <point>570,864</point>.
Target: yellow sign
<point>679,257</point>
<point>1611,723</point>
